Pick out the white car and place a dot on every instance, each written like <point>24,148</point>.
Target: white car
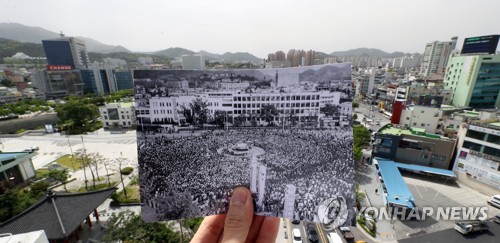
<point>333,237</point>
<point>297,238</point>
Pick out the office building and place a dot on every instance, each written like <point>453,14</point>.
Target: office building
<point>436,56</point>
<point>59,84</point>
<point>475,80</point>
<point>413,146</point>
<point>478,155</point>
<point>105,81</point>
<point>118,115</point>
<point>195,61</point>
<point>64,51</point>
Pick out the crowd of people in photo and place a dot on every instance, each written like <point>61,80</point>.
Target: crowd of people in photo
<point>191,176</point>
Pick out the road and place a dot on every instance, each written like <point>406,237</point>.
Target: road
<point>288,228</point>
<point>451,235</point>
<point>375,115</point>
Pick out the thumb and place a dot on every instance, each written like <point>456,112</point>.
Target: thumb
<point>239,216</point>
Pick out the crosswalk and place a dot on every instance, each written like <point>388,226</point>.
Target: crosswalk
<point>64,143</point>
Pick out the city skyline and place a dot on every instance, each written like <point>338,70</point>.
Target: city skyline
<point>157,25</point>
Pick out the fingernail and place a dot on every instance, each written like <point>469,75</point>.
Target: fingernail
<point>239,197</point>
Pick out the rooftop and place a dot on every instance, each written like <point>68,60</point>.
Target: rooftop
<point>8,156</point>
<point>122,104</point>
<point>491,123</point>
<point>58,214</point>
<point>399,130</point>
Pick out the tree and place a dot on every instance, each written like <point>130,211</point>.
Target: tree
<point>199,111</point>
<point>219,118</point>
<point>330,110</point>
<point>77,111</point>
<point>268,113</point>
<point>128,227</point>
<point>361,136</point>
<point>7,83</point>
<point>60,176</point>
<point>354,116</point>
<point>355,105</point>
<point>105,163</point>
<point>119,161</point>
<point>358,153</point>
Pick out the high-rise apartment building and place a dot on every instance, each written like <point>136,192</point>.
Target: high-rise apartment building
<point>66,51</point>
<point>436,56</point>
<point>300,57</point>
<point>277,56</point>
<point>475,80</point>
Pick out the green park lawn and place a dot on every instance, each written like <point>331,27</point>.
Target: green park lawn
<point>68,162</point>
<point>133,195</point>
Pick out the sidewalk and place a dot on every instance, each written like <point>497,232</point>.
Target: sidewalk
<point>385,229</point>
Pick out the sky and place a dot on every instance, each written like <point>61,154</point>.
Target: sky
<point>260,26</point>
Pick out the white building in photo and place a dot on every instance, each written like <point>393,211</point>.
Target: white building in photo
<point>118,115</point>
<point>478,155</point>
<point>235,104</point>
<point>346,109</point>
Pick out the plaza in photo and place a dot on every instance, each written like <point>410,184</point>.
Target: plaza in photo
<point>283,133</point>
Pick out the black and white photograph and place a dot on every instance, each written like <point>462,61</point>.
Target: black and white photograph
<point>285,133</point>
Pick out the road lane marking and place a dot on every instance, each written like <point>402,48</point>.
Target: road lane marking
<point>321,233</point>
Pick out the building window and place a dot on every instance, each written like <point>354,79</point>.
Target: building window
<point>472,146</point>
<point>105,117</point>
<point>492,151</point>
<point>123,117</point>
<point>407,118</point>
<point>475,134</point>
<point>493,139</point>
<point>124,123</point>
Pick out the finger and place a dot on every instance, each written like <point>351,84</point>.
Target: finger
<point>239,216</point>
<point>210,229</point>
<point>268,230</point>
<point>255,228</point>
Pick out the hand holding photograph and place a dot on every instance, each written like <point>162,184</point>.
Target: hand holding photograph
<point>283,133</point>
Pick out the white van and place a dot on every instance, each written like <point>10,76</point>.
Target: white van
<point>495,201</point>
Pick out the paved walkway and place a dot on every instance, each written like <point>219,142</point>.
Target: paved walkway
<point>368,184</point>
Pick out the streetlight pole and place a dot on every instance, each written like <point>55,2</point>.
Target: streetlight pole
<point>83,163</point>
